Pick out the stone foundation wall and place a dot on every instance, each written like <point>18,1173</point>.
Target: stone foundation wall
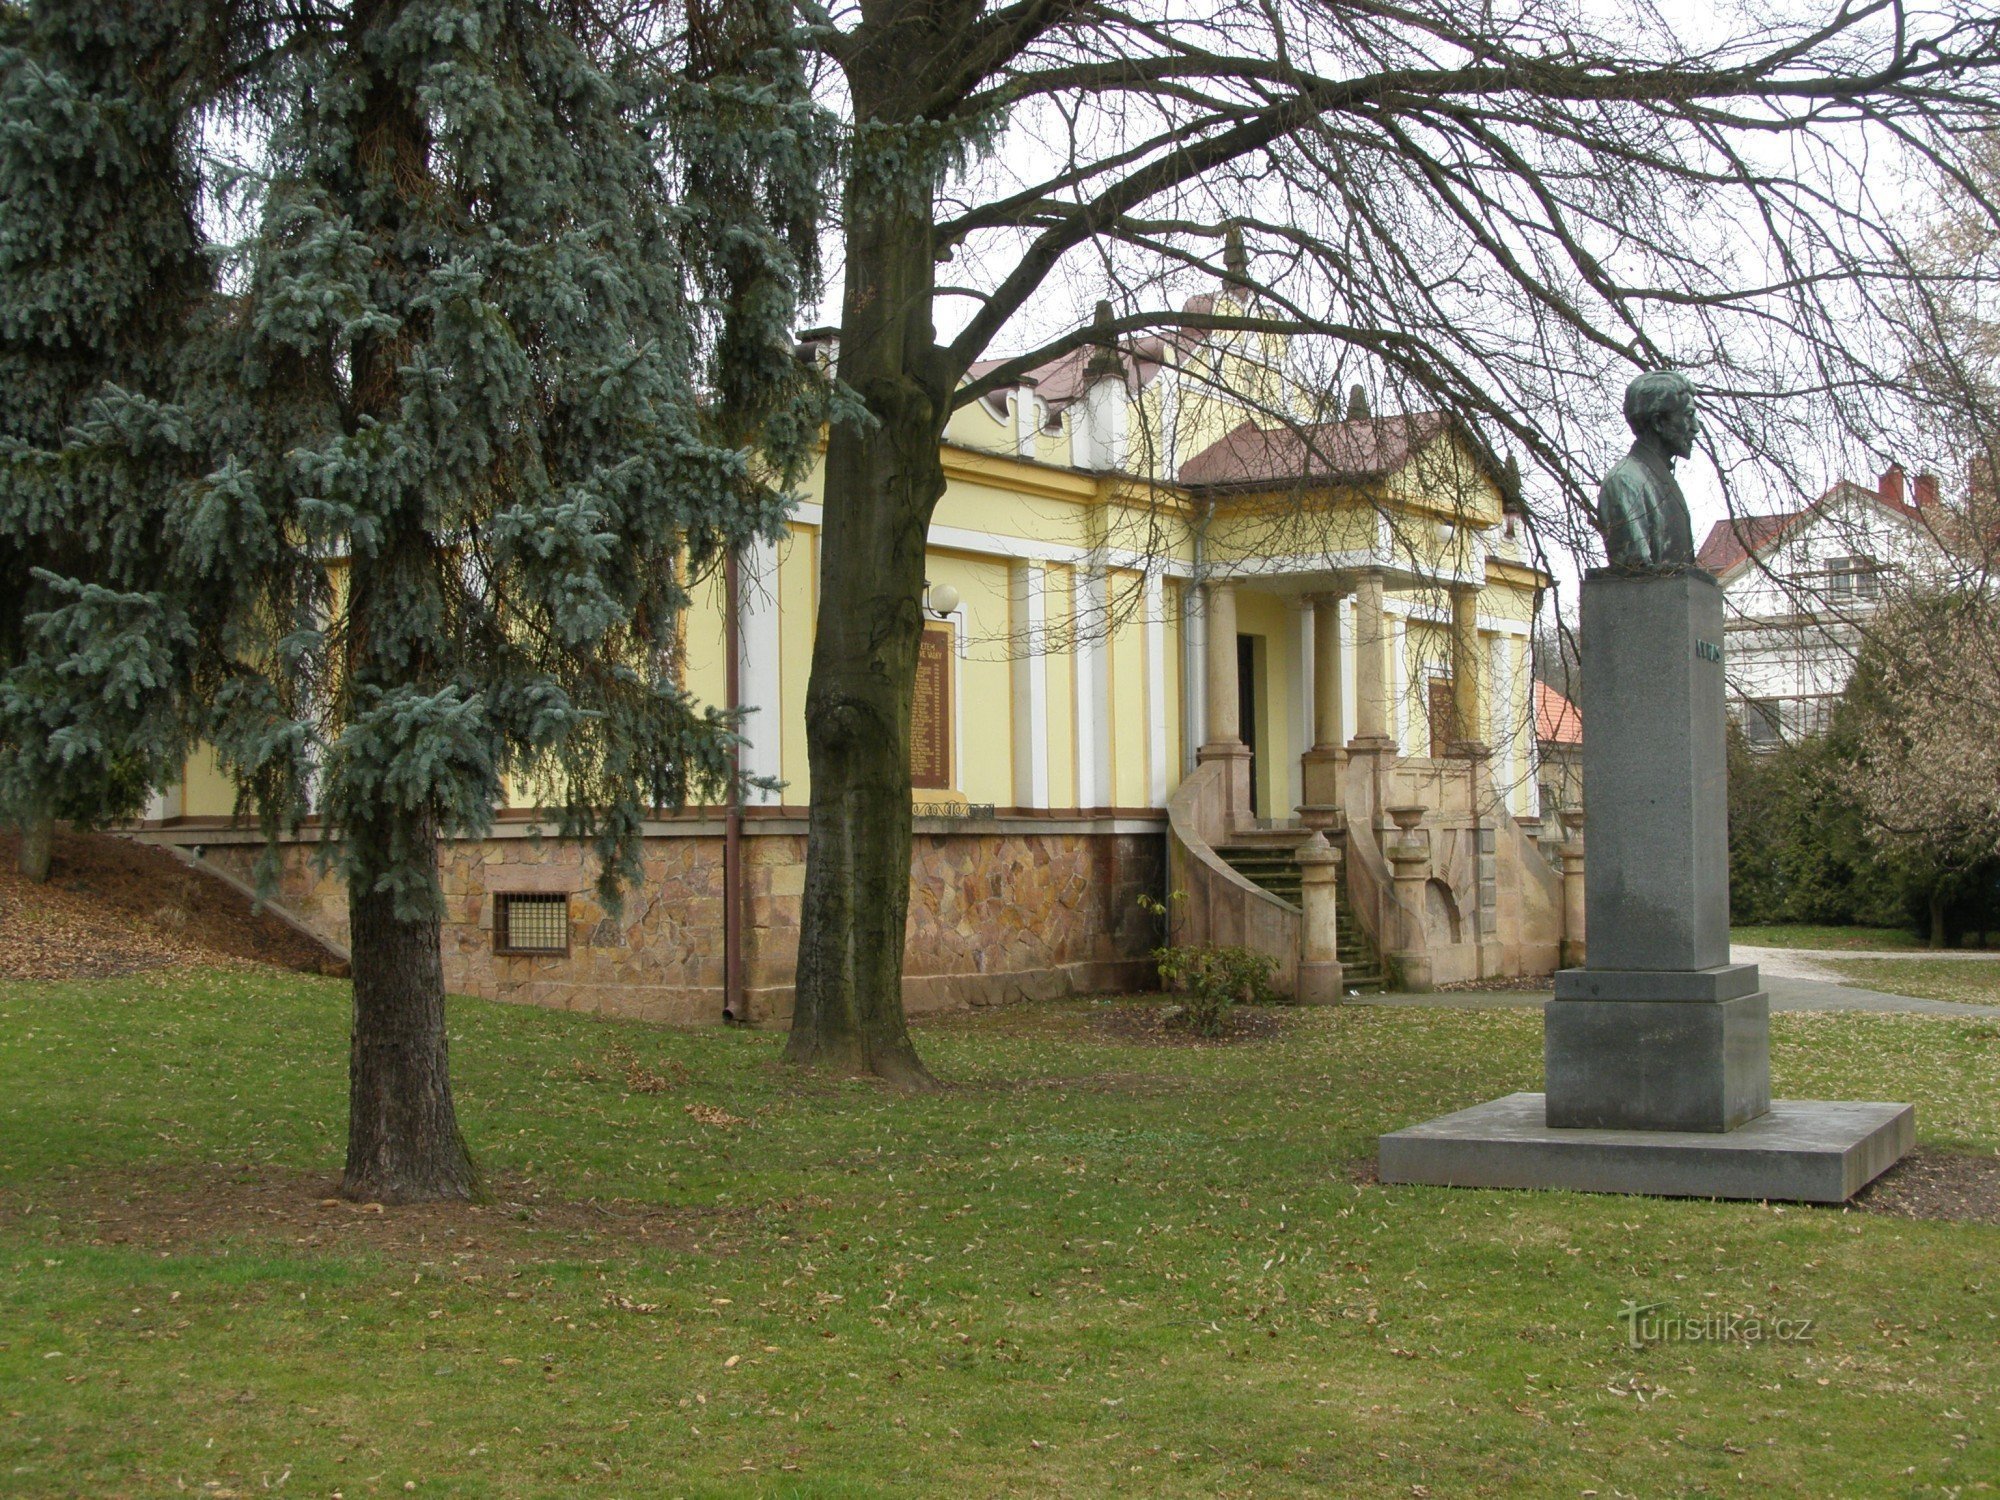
<point>995,916</point>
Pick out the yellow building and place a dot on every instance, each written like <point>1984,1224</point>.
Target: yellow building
<point>1174,630</point>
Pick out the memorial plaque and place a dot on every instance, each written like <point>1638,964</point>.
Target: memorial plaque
<point>930,714</point>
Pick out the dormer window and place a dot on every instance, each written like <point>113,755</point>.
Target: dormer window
<point>1852,577</point>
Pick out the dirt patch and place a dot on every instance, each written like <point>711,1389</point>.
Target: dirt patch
<point>187,1208</point>
<point>1510,984</point>
<point>1930,1184</point>
<point>1165,1025</point>
<point>114,907</point>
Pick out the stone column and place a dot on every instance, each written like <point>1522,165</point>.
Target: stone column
<point>1326,671</point>
<point>1320,974</point>
<point>1371,666</point>
<point>1410,860</point>
<point>1223,689</point>
<point>1225,737</point>
<point>1468,673</point>
<point>1571,855</point>
<point>1322,764</point>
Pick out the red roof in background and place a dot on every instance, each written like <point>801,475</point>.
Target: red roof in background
<point>1250,454</point>
<point>1731,540</point>
<point>1557,720</point>
<point>1059,381</point>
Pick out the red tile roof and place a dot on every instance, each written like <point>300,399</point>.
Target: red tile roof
<point>1250,454</point>
<point>1557,720</point>
<point>1731,540</point>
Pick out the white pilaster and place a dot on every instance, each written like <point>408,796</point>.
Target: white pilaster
<point>1194,673</point>
<point>1505,711</point>
<point>757,655</point>
<point>1156,690</point>
<point>1093,692</point>
<point>1299,625</point>
<point>1029,582</point>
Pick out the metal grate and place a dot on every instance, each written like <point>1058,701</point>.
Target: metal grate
<point>531,924</point>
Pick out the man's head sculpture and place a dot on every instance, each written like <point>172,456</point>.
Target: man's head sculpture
<point>1640,508</point>
<point>1662,402</point>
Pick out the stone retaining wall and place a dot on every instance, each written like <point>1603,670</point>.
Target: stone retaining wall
<point>995,916</point>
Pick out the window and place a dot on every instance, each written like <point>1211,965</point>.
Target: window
<point>530,924</point>
<point>1763,721</point>
<point>1852,577</point>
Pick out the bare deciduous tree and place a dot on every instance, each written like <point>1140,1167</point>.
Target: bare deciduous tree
<point>1496,211</point>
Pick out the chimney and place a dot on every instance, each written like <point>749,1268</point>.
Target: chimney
<point>1235,258</point>
<point>1027,417</point>
<point>1097,417</point>
<point>1927,491</point>
<point>820,348</point>
<point>1890,489</point>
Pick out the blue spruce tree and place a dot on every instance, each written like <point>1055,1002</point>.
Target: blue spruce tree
<point>400,506</point>
<point>99,267</point>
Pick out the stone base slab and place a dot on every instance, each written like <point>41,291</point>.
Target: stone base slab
<point>1724,982</point>
<point>1657,1065</point>
<point>1802,1150</point>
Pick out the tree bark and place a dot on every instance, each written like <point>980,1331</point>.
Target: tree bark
<point>881,486</point>
<point>403,1143</point>
<point>38,839</point>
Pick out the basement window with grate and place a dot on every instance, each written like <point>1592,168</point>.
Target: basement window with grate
<point>532,924</point>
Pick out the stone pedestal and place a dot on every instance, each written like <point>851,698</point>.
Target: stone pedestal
<point>1320,974</point>
<point>1322,773</point>
<point>1657,1064</point>
<point>1656,820</point>
<point>1410,865</point>
<point>1660,1031</point>
<point>1235,757</point>
<point>1657,1052</point>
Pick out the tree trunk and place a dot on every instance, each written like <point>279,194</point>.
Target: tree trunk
<point>403,1144</point>
<point>38,842</point>
<point>1937,919</point>
<point>881,485</point>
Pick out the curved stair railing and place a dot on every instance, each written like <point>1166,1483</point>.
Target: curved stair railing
<point>1242,886</point>
<point>1223,905</point>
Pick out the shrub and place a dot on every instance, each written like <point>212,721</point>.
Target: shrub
<point>1210,978</point>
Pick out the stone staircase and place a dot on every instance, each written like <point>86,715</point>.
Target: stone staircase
<point>1265,859</point>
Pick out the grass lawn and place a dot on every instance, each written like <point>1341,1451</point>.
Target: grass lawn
<point>1798,936</point>
<point>1972,981</point>
<point>1089,1265</point>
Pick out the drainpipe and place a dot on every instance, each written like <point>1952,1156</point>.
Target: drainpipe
<point>732,823</point>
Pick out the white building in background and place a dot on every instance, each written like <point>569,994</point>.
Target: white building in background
<point>1798,587</point>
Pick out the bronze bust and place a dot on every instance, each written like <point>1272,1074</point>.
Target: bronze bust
<point>1640,509</point>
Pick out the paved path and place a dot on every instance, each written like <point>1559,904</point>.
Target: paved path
<point>1787,994</point>
<point>1822,963</point>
